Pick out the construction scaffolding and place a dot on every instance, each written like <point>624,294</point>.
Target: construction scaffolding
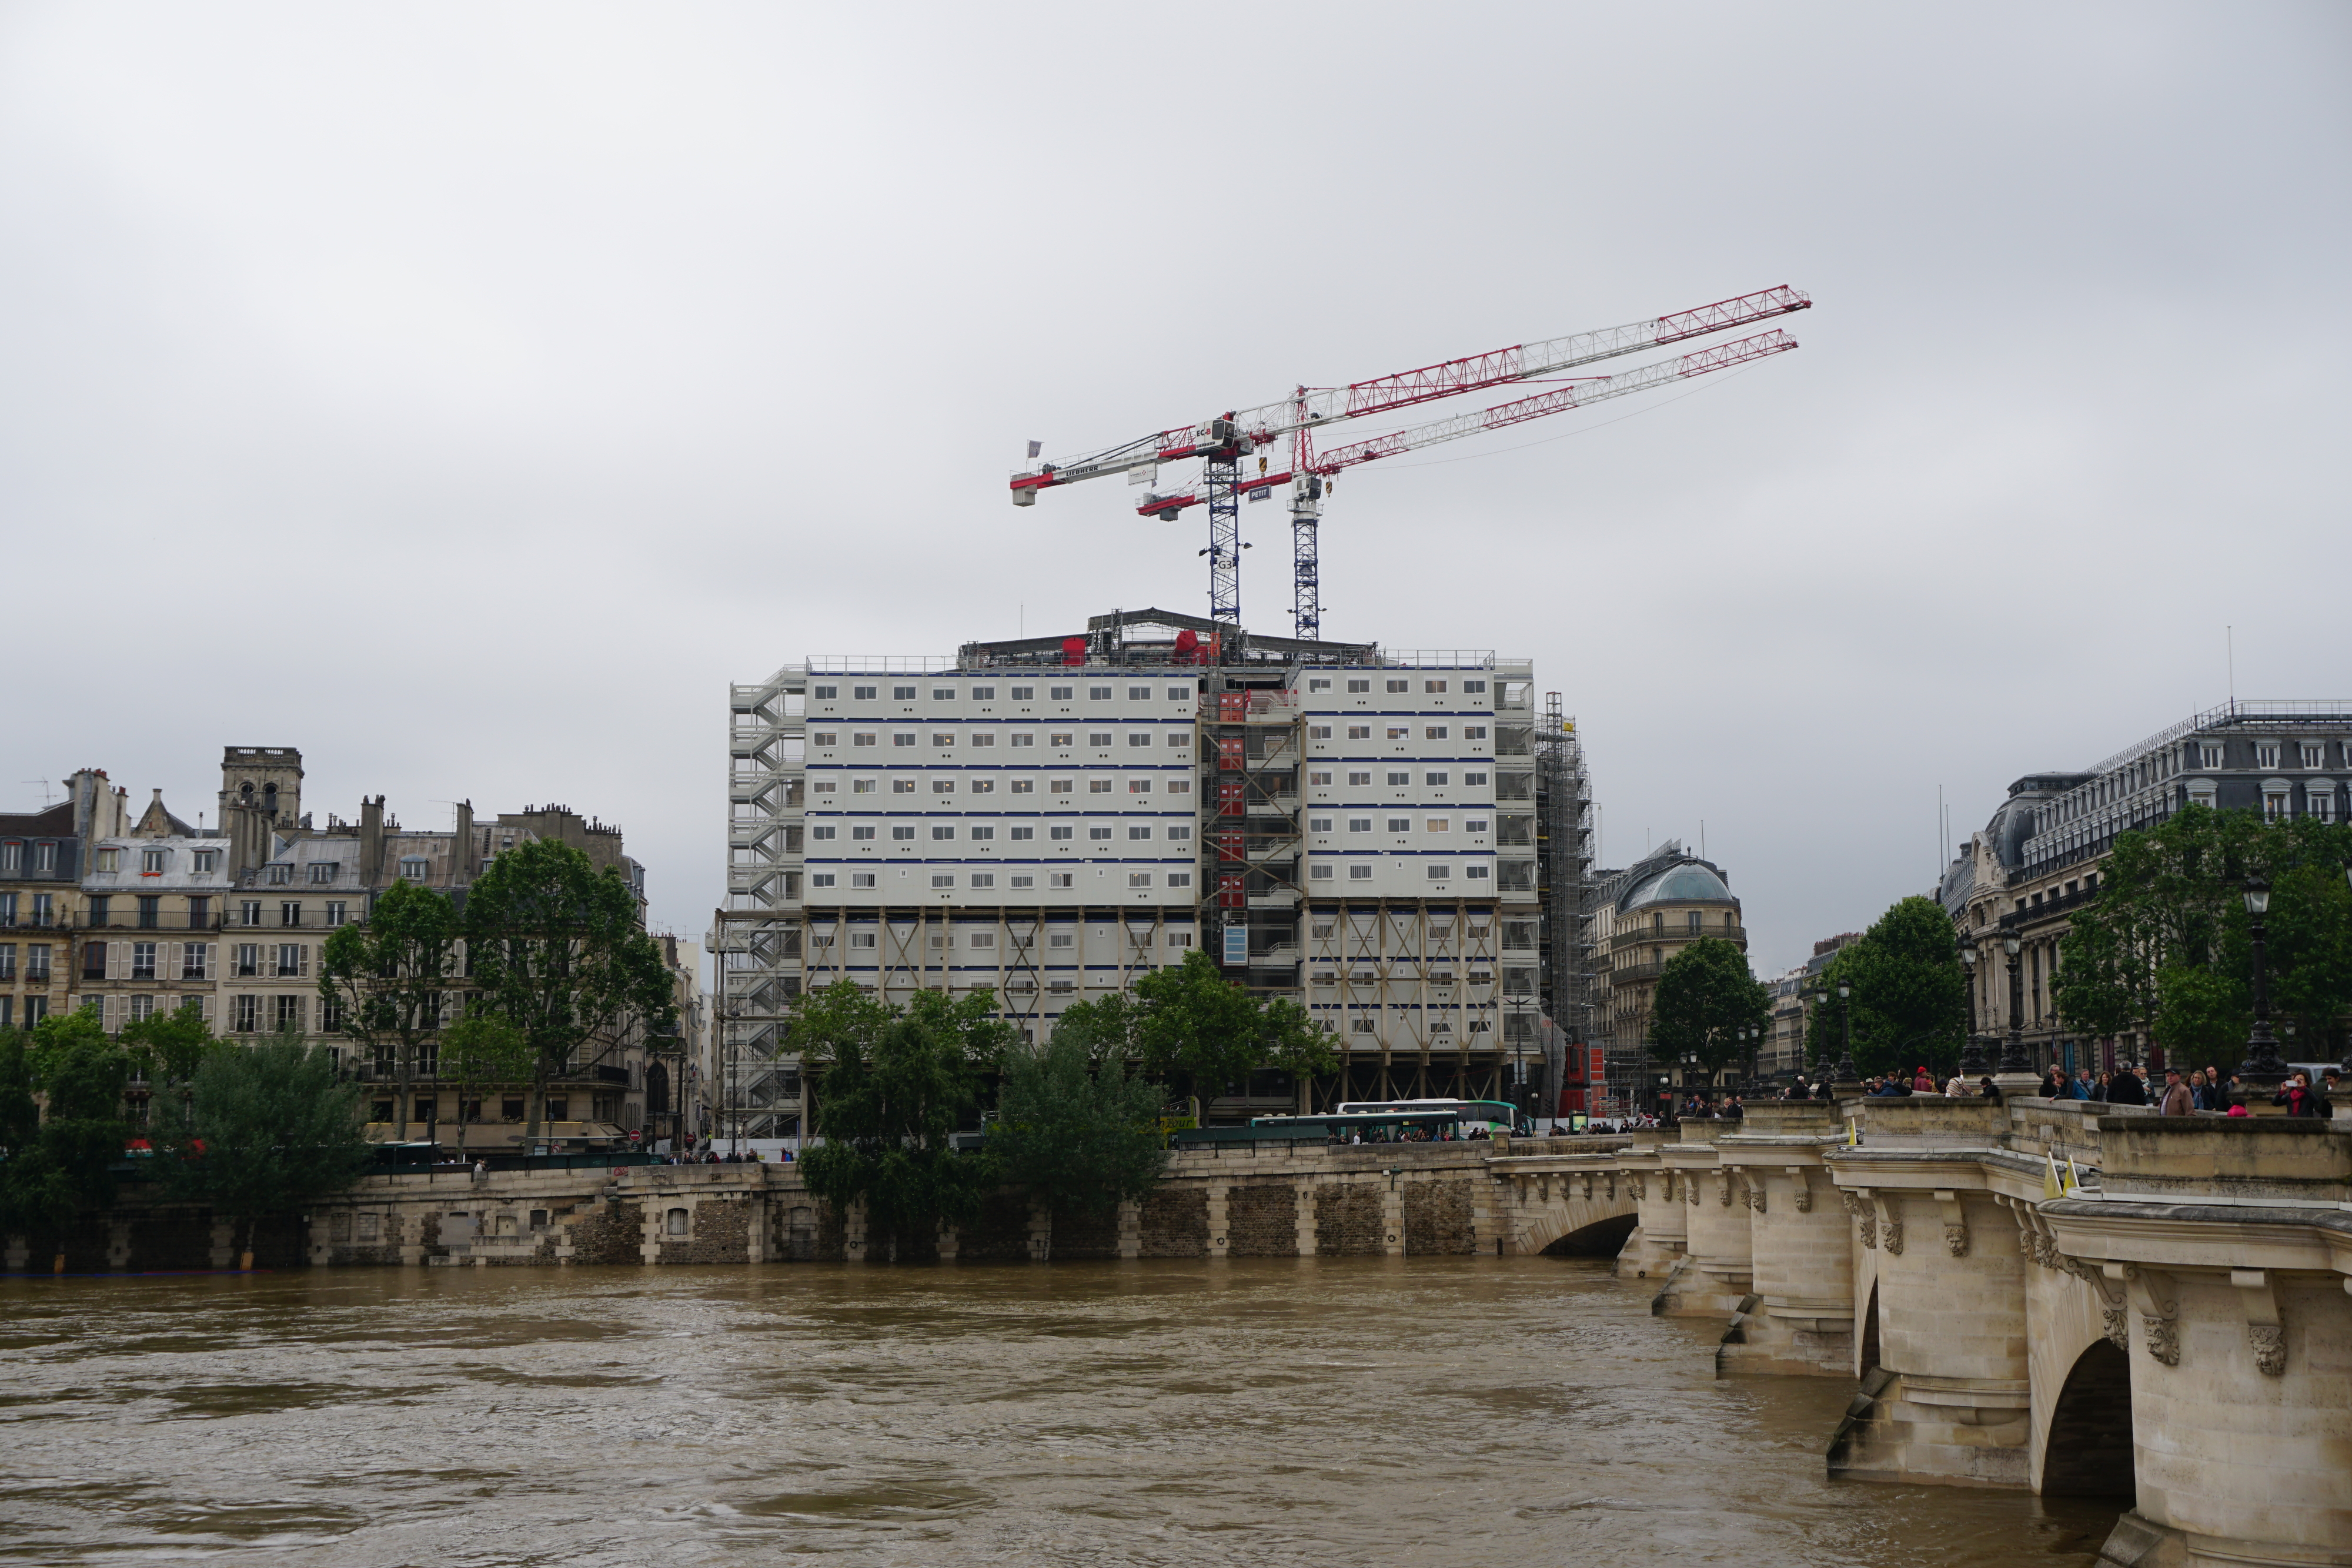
<point>1563,868</point>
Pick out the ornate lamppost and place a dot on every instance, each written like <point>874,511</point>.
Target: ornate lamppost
<point>1972,1062</point>
<point>1846,1072</point>
<point>2013,1058</point>
<point>2262,1071</point>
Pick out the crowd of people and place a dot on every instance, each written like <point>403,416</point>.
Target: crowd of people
<point>2206,1089</point>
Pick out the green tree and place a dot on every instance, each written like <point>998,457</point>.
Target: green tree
<point>892,1087</point>
<point>1910,993</point>
<point>281,1129</point>
<point>1194,1021</point>
<point>560,952</point>
<point>480,1052</point>
<point>1706,998</point>
<point>2168,942</point>
<point>1110,1028</point>
<point>387,979</point>
<point>62,1171</point>
<point>166,1048</point>
<point>1079,1132</point>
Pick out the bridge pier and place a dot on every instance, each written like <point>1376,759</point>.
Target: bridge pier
<point>1801,1245</point>
<point>2177,1334</point>
<point>1660,1232</point>
<point>1952,1331</point>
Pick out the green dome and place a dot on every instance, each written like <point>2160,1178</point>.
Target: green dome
<point>1689,883</point>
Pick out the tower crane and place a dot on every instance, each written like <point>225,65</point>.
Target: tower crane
<point>1223,442</point>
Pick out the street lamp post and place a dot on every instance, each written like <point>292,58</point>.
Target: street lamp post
<point>1972,1064</point>
<point>2262,1069</point>
<point>2012,1047</point>
<point>1846,1072</point>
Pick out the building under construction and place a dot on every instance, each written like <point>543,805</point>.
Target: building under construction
<point>1396,840</point>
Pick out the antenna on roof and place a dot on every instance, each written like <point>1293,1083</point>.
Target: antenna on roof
<point>44,788</point>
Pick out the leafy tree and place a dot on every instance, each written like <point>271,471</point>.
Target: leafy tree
<point>166,1048</point>
<point>20,1115</point>
<point>1079,1132</point>
<point>2167,942</point>
<point>388,977</point>
<point>1706,998</point>
<point>892,1087</point>
<point>1109,1027</point>
<point>1192,1021</point>
<point>280,1130</point>
<point>1910,993</point>
<point>561,953</point>
<point>480,1052</point>
<point>60,1170</point>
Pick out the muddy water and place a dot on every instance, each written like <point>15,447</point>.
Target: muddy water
<point>1323,1411</point>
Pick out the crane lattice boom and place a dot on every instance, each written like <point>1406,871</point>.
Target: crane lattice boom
<point>1239,431</point>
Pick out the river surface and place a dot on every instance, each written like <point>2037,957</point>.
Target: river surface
<point>1262,1411</point>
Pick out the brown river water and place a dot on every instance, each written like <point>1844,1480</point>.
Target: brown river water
<point>1295,1411</point>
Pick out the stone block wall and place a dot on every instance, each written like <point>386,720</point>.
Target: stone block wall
<point>1348,1220</point>
<point>1262,1221</point>
<point>609,1231</point>
<point>1437,1218</point>
<point>717,1231</point>
<point>1176,1223</point>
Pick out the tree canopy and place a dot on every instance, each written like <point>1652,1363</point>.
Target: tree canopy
<point>58,1166</point>
<point>1190,1019</point>
<point>1706,997</point>
<point>2168,944</point>
<point>559,952</point>
<point>280,1130</point>
<point>387,978</point>
<point>1080,1132</point>
<point>1910,994</point>
<point>167,1049</point>
<point>892,1085</point>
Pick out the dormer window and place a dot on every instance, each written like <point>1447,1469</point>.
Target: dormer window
<point>154,863</point>
<point>2266,754</point>
<point>281,874</point>
<point>414,868</point>
<point>107,860</point>
<point>205,862</point>
<point>324,872</point>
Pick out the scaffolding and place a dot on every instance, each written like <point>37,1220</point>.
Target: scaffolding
<point>1563,873</point>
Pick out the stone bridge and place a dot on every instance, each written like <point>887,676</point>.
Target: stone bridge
<point>2175,1332</point>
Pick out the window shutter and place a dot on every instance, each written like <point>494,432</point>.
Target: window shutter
<point>118,960</point>
<point>306,959</point>
<point>110,1012</point>
<point>208,1010</point>
<point>302,1009</point>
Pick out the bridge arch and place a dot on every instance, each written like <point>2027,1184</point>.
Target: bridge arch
<point>2089,1450</point>
<point>1603,1238</point>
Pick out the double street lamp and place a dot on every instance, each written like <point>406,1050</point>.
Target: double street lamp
<point>1972,1064</point>
<point>2262,1069</point>
<point>2013,1058</point>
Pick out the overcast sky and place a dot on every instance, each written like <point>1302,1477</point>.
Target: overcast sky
<point>465,394</point>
